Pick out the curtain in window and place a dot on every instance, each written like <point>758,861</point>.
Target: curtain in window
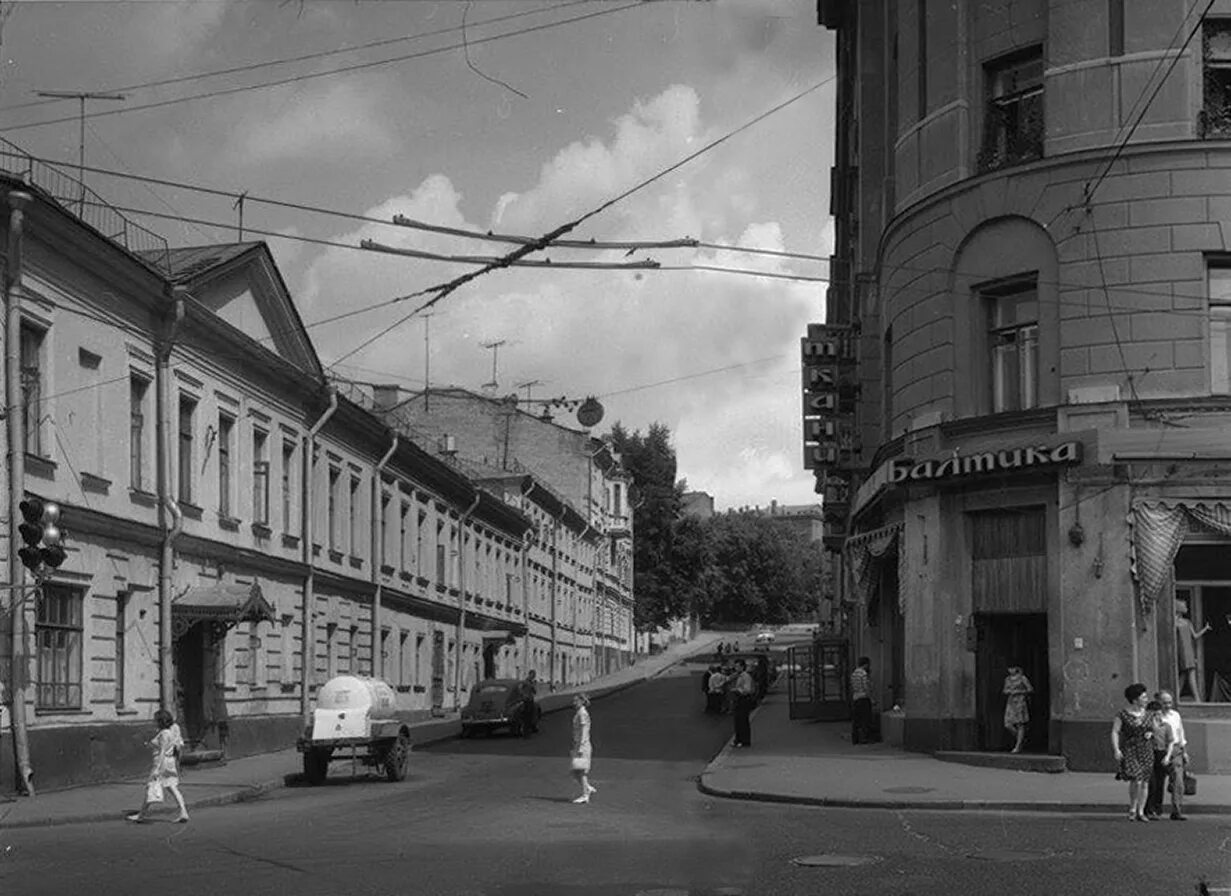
<point>1158,530</point>
<point>865,553</point>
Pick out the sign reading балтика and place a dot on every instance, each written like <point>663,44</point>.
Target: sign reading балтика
<point>1003,461</point>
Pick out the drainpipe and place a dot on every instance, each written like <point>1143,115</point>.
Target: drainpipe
<point>555,590</point>
<point>308,650</point>
<point>461,598</point>
<point>170,520</point>
<point>19,658</point>
<point>378,550</point>
<point>594,590</point>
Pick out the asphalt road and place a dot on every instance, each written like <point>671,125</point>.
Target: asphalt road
<point>493,817</point>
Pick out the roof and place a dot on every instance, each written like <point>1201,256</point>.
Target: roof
<point>189,261</point>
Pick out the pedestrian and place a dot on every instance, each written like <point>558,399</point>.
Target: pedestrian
<point>530,708</point>
<point>1160,736</point>
<point>716,687</point>
<point>167,745</point>
<point>582,751</point>
<point>745,695</point>
<point>1131,744</point>
<point>1017,690</point>
<point>1174,760</point>
<point>705,687</point>
<point>861,702</point>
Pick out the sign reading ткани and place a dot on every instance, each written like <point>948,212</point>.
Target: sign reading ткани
<point>1003,461</point>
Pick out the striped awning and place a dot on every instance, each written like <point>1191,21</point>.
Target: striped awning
<point>1158,530</point>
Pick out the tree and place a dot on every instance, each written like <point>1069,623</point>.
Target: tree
<point>655,497</point>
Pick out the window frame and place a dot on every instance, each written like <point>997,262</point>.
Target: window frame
<point>1021,335</point>
<point>260,476</point>
<point>1214,123</point>
<point>33,362</point>
<point>138,402</point>
<point>1011,136</point>
<point>63,659</point>
<point>1218,305</point>
<point>186,418</point>
<point>226,469</point>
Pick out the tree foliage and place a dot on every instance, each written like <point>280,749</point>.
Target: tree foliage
<point>732,567</point>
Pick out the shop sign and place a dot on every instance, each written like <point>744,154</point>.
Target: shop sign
<point>1004,461</point>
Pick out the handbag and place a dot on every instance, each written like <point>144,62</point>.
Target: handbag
<point>1190,784</point>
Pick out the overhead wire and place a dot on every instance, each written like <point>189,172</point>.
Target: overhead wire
<point>230,91</point>
<point>306,57</point>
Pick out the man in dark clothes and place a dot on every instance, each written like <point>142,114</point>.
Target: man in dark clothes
<point>745,697</point>
<point>705,688</point>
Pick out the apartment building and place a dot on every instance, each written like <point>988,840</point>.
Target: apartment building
<point>1019,402</point>
<point>236,531</point>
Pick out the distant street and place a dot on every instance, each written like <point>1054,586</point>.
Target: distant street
<point>492,817</point>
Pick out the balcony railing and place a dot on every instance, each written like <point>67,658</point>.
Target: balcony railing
<point>83,203</point>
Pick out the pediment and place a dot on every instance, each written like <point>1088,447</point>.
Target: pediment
<point>241,285</point>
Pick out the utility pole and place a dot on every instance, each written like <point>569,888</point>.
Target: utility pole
<point>495,347</point>
<point>81,97</point>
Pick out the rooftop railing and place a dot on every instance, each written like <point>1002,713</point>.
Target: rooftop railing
<point>80,201</point>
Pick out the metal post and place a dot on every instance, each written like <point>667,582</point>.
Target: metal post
<point>81,97</point>
<point>20,663</point>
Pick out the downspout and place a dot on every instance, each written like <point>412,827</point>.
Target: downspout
<point>19,660</point>
<point>308,648</point>
<point>555,590</point>
<point>378,551</point>
<point>461,598</point>
<point>525,602</point>
<point>593,590</point>
<point>170,520</point>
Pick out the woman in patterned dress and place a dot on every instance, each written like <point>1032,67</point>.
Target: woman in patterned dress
<point>1017,689</point>
<point>1131,742</point>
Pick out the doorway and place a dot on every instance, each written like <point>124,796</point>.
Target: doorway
<point>1005,639</point>
<point>189,658</point>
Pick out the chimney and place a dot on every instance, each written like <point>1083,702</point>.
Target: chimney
<point>384,397</point>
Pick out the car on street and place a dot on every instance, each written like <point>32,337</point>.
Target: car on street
<point>496,703</point>
<point>765,637</point>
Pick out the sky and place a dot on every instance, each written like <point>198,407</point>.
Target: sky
<point>485,130</point>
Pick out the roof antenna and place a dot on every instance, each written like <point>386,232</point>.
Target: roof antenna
<point>239,204</point>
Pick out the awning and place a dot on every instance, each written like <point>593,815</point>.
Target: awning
<point>864,554</point>
<point>1158,529</point>
<point>224,603</point>
<point>497,635</point>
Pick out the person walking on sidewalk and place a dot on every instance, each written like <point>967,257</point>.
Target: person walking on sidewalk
<point>580,755</point>
<point>1130,743</point>
<point>745,691</point>
<point>1171,765</point>
<point>164,775</point>
<point>1017,690</point>
<point>861,702</point>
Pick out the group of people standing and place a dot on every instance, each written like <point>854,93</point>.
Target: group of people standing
<point>1151,751</point>
<point>734,688</point>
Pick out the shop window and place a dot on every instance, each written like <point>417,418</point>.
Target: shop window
<point>1219,286</point>
<point>1013,114</point>
<point>58,634</point>
<point>1013,314</point>
<point>1214,120</point>
<point>1200,639</point>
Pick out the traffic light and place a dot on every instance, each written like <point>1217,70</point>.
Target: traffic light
<point>41,535</point>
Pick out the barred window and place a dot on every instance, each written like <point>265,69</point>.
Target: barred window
<point>58,634</point>
<point>1013,115</point>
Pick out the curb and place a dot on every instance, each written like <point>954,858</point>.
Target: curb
<point>935,805</point>
<point>250,792</point>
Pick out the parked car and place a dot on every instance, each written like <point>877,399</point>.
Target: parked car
<point>765,638</point>
<point>355,712</point>
<point>496,703</point>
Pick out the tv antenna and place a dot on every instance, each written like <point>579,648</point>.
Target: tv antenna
<point>81,96</point>
<point>528,385</point>
<point>495,347</point>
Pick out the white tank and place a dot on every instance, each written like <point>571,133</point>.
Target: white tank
<point>346,704</point>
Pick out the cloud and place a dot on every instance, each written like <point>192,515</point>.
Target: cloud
<point>715,356</point>
<point>294,123</point>
<point>168,29</point>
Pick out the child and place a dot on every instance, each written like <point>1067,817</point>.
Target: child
<point>164,775</point>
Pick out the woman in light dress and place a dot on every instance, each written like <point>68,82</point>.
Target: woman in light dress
<point>580,754</point>
<point>164,775</point>
<point>1017,689</point>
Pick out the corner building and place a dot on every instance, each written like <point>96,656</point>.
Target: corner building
<point>1033,259</point>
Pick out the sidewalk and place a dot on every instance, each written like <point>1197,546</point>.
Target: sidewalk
<point>814,763</point>
<point>249,777</point>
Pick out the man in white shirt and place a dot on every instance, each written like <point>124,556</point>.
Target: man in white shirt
<point>861,702</point>
<point>1176,759</point>
<point>745,696</point>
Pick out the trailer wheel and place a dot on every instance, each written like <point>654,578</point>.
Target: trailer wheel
<point>316,764</point>
<point>397,759</point>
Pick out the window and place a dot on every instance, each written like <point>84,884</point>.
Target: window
<point>1013,116</point>
<point>260,477</point>
<point>404,537</point>
<point>1220,330</point>
<point>57,633</point>
<point>335,480</point>
<point>419,541</point>
<point>1014,339</point>
<point>256,662</point>
<point>288,467</point>
<point>138,392</point>
<point>356,518</point>
<point>226,434</point>
<point>88,410</point>
<point>385,501</point>
<point>887,386</point>
<point>121,647</point>
<point>187,413</point>
<point>352,650</point>
<point>1115,27</point>
<point>32,387</point>
<point>387,664</point>
<point>1215,117</point>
